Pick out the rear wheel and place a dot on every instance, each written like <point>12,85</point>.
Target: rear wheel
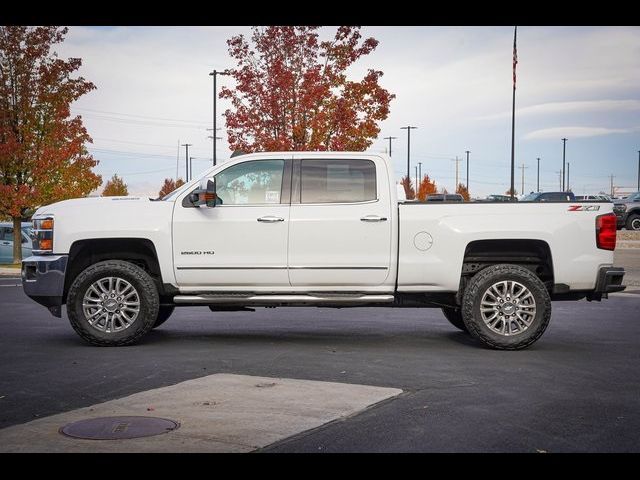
<point>454,315</point>
<point>506,307</point>
<point>112,303</point>
<point>633,222</point>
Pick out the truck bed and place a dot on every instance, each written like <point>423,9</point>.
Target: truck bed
<point>435,237</point>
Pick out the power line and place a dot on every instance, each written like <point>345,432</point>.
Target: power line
<point>147,123</point>
<point>139,116</point>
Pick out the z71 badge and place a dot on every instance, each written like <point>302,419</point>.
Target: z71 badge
<point>584,208</point>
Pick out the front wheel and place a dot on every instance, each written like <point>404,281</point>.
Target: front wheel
<point>506,307</point>
<point>112,303</point>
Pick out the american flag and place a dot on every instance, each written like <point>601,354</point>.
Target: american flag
<point>515,56</point>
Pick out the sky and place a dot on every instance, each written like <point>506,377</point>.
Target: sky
<point>154,92</point>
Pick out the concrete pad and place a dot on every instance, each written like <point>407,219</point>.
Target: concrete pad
<point>217,413</point>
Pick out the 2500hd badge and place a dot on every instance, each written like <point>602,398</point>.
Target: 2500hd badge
<point>198,252</point>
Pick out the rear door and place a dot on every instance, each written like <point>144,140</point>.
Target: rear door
<point>340,222</point>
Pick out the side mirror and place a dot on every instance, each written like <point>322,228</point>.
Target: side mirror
<point>205,195</point>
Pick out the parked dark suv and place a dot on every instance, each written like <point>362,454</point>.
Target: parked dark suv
<point>628,211</point>
<point>550,197</point>
<point>445,197</point>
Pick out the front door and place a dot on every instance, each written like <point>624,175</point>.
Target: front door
<point>340,231</point>
<point>243,240</point>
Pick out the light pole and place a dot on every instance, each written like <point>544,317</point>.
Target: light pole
<point>390,138</point>
<point>538,183</point>
<point>568,182</point>
<point>420,171</point>
<point>214,74</point>
<point>638,170</point>
<point>186,159</point>
<point>408,128</point>
<point>564,144</point>
<point>191,166</point>
<point>467,152</point>
<point>513,113</point>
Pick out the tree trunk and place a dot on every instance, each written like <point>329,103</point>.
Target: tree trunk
<point>17,240</point>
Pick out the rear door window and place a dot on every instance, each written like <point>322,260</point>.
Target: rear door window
<point>337,181</point>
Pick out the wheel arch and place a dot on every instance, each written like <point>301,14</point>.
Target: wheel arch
<point>533,254</point>
<point>139,251</point>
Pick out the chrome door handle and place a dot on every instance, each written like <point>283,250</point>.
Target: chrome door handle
<point>270,219</point>
<point>373,218</point>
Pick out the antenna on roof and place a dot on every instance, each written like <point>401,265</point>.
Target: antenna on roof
<point>237,153</point>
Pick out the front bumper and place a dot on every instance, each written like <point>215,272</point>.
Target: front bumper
<point>43,280</point>
<point>609,280</point>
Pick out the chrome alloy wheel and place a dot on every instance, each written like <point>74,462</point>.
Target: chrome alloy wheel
<point>111,304</point>
<point>635,225</point>
<point>508,308</point>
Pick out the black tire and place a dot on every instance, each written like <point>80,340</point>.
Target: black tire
<point>454,315</point>
<point>633,222</point>
<point>147,293</point>
<point>476,289</point>
<point>164,312</point>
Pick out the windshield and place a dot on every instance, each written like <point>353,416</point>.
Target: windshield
<point>634,197</point>
<point>531,197</point>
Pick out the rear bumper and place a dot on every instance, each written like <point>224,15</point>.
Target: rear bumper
<point>43,280</point>
<point>609,280</point>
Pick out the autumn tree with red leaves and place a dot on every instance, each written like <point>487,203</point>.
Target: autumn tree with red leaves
<point>43,158</point>
<point>115,187</point>
<point>426,187</point>
<point>169,186</point>
<point>462,190</point>
<point>292,92</point>
<point>409,190</point>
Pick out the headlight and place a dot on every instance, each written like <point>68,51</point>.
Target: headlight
<point>42,235</point>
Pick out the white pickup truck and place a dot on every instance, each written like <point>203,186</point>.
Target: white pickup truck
<point>320,229</point>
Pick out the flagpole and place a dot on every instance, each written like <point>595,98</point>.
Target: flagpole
<point>513,111</point>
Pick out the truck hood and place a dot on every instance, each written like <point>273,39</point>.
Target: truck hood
<point>98,203</point>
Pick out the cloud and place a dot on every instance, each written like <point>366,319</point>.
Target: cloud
<point>570,108</point>
<point>575,132</point>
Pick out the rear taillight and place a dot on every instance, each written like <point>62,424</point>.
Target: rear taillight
<point>606,231</point>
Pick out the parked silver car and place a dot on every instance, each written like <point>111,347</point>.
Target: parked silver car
<point>6,241</point>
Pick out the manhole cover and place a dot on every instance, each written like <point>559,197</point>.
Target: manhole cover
<point>116,428</point>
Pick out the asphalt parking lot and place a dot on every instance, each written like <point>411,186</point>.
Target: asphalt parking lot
<point>576,390</point>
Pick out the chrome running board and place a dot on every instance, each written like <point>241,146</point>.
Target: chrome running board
<point>270,300</point>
